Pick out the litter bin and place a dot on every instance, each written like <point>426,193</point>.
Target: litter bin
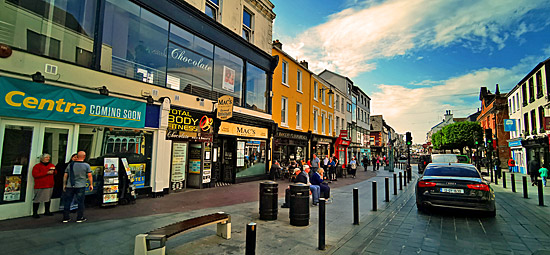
<point>268,200</point>
<point>299,204</point>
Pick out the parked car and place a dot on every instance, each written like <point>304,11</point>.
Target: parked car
<point>444,158</point>
<point>463,159</point>
<point>423,161</point>
<point>454,185</point>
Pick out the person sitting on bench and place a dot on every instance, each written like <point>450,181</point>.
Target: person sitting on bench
<point>317,179</point>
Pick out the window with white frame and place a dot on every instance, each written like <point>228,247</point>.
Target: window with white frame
<point>315,87</point>
<point>342,107</point>
<point>299,81</point>
<point>284,111</point>
<point>285,72</point>
<point>315,113</point>
<point>212,9</point>
<point>329,100</point>
<point>337,104</point>
<point>337,123</point>
<point>323,123</point>
<point>329,124</point>
<point>322,95</point>
<point>248,18</point>
<point>298,115</point>
<point>510,106</point>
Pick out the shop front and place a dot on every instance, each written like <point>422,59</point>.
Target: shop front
<point>518,154</point>
<point>191,157</point>
<point>537,147</point>
<point>37,118</point>
<point>321,146</point>
<point>240,152</point>
<point>290,145</point>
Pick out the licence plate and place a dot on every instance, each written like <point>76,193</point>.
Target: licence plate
<point>456,191</point>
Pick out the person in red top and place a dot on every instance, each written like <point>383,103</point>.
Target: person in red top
<point>43,174</point>
<point>511,165</point>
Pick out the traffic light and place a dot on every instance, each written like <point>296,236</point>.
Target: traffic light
<point>489,137</point>
<point>409,138</point>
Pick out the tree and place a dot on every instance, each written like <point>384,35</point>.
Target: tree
<point>458,136</point>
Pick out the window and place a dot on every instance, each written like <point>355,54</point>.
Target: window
<point>43,45</point>
<point>256,88</point>
<point>343,123</point>
<point>315,87</point>
<point>228,73</point>
<point>247,25</point>
<point>298,116</point>
<point>284,111</point>
<point>315,113</point>
<point>329,100</point>
<point>539,84</point>
<point>299,80</point>
<point>337,123</point>
<point>541,118</point>
<point>349,89</point>
<point>531,90</point>
<point>83,57</point>
<point>349,107</point>
<point>510,106</point>
<point>342,106</point>
<point>212,9</point>
<point>322,95</point>
<point>526,122</point>
<point>524,93</point>
<point>285,72</point>
<point>337,103</point>
<point>514,103</point>
<point>323,115</point>
<point>533,121</point>
<point>517,100</point>
<point>329,124</point>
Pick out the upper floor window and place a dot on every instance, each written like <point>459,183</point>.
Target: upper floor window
<point>342,106</point>
<point>349,107</point>
<point>315,113</point>
<point>526,122</point>
<point>212,9</point>
<point>322,91</point>
<point>517,101</point>
<point>298,116</point>
<point>510,106</point>
<point>541,118</point>
<point>524,93</point>
<point>349,89</point>
<point>329,100</point>
<point>285,72</point>
<point>247,25</point>
<point>329,124</point>
<point>531,90</point>
<point>539,84</point>
<point>323,115</point>
<point>337,103</point>
<point>315,87</point>
<point>256,88</point>
<point>284,111</point>
<point>299,80</point>
<point>337,123</point>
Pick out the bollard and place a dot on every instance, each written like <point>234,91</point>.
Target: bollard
<point>355,206</point>
<point>405,178</point>
<point>374,196</point>
<point>525,194</point>
<point>491,173</point>
<point>395,184</point>
<point>503,179</point>
<point>322,224</point>
<point>400,181</point>
<point>250,239</point>
<point>496,178</point>
<point>513,180</point>
<point>387,186</point>
<point>541,197</point>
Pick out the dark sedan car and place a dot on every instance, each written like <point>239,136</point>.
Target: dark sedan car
<point>454,185</point>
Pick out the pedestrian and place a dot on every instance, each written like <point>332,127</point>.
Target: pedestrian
<point>43,174</point>
<point>511,165</point>
<point>353,167</point>
<point>543,174</point>
<point>315,163</point>
<point>325,163</point>
<point>74,185</point>
<point>60,168</point>
<point>332,171</point>
<point>532,169</point>
<point>377,166</point>
<point>275,171</point>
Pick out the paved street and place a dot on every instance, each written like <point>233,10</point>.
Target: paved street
<point>521,227</point>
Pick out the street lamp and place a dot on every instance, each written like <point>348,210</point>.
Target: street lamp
<point>330,92</point>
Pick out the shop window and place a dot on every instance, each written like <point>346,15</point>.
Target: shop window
<point>228,73</point>
<point>212,9</point>
<point>16,151</point>
<point>49,24</point>
<point>247,25</point>
<point>256,88</point>
<point>251,158</point>
<point>138,39</point>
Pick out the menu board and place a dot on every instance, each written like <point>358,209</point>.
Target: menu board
<point>206,172</point>
<point>240,153</point>
<point>110,180</point>
<point>195,166</point>
<point>179,159</point>
<point>12,189</point>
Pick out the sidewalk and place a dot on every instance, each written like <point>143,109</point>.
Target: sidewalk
<point>112,231</point>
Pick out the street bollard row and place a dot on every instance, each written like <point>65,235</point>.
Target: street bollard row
<point>504,179</point>
<point>250,239</point>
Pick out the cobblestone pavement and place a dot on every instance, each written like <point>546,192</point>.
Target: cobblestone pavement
<point>520,227</point>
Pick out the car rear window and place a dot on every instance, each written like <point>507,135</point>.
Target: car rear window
<point>452,171</point>
<point>444,158</point>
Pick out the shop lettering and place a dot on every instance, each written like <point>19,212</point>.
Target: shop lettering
<point>111,112</point>
<point>17,98</point>
<point>179,54</point>
<point>246,131</point>
<point>225,102</point>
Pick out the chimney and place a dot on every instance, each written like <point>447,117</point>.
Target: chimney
<point>498,91</point>
<point>304,63</point>
<point>278,44</point>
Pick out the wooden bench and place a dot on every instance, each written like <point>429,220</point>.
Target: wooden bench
<point>154,242</point>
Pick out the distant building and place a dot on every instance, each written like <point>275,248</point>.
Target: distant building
<point>494,109</point>
<point>447,120</point>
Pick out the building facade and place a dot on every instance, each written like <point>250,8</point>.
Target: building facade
<point>494,109</point>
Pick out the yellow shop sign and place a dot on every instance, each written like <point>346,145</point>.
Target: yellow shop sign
<point>227,128</point>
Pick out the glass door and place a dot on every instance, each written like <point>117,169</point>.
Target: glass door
<point>56,140</point>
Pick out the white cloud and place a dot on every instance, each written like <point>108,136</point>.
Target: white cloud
<point>352,39</point>
<point>419,109</point>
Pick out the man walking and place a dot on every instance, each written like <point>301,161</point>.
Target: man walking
<point>315,163</point>
<point>77,173</point>
<point>533,170</point>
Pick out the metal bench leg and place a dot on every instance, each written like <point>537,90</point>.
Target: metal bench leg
<point>224,230</point>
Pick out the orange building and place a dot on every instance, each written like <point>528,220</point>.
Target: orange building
<point>494,109</point>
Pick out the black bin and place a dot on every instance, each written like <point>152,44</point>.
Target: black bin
<point>299,204</point>
<point>268,200</point>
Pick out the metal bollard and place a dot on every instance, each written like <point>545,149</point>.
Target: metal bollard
<point>355,206</point>
<point>400,181</point>
<point>496,178</point>
<point>503,179</point>
<point>405,178</point>
<point>513,180</point>
<point>250,239</point>
<point>374,196</point>
<point>491,173</point>
<point>395,184</point>
<point>525,194</point>
<point>322,223</point>
<point>387,186</point>
<point>541,196</point>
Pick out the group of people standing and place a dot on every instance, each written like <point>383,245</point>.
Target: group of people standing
<point>535,169</point>
<point>76,173</point>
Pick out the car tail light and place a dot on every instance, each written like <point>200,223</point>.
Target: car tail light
<point>424,184</point>
<point>483,187</point>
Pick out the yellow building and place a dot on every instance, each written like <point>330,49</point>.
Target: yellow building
<point>303,108</point>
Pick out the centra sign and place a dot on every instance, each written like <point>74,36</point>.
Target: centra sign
<point>225,107</point>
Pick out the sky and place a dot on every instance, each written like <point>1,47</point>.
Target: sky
<point>416,59</point>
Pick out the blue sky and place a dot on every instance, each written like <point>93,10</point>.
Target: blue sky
<point>418,58</point>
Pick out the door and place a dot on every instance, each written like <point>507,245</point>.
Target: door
<point>228,160</point>
<point>21,144</point>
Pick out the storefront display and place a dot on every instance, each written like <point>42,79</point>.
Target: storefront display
<point>110,181</point>
<point>290,145</point>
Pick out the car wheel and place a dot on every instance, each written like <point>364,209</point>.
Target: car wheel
<point>421,208</point>
<point>492,213</point>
